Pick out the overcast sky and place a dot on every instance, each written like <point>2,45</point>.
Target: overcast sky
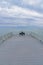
<point>30,10</point>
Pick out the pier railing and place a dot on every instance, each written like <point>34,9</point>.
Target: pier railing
<point>36,36</point>
<point>5,37</point>
<point>11,34</point>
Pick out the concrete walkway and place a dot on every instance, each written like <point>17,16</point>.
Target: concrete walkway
<point>23,50</point>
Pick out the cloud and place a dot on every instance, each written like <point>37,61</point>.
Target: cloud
<point>32,2</point>
<point>42,6</point>
<point>30,9</point>
<point>16,11</point>
<point>4,3</point>
<point>36,5</point>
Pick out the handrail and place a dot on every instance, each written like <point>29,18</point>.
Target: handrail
<point>36,36</point>
<point>5,37</point>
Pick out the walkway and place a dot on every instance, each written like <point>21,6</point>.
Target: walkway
<point>23,50</point>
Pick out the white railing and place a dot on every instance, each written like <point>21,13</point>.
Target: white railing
<point>5,37</point>
<point>11,34</point>
<point>36,36</point>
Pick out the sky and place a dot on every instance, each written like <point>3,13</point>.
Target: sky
<point>21,12</point>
